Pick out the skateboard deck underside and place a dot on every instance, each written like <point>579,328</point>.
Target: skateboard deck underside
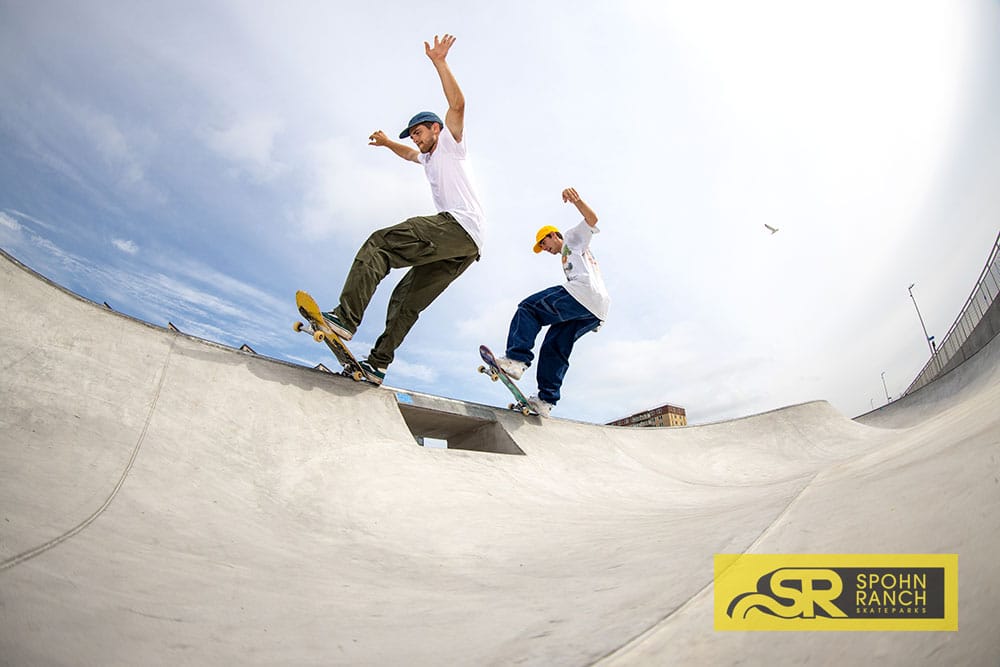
<point>496,373</point>
<point>310,310</point>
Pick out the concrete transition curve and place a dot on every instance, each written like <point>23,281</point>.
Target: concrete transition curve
<point>165,500</point>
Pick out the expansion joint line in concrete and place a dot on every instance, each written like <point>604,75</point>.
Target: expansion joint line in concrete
<point>707,588</point>
<point>31,553</point>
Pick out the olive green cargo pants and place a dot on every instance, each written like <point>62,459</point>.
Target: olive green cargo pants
<point>436,247</point>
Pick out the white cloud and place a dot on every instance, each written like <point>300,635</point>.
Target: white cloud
<point>236,290</point>
<point>487,321</point>
<point>249,143</point>
<point>9,222</point>
<point>413,371</point>
<point>41,223</point>
<point>126,246</point>
<point>124,153</point>
<point>354,189</point>
<point>611,373</point>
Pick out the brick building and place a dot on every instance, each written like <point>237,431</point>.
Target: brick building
<point>664,415</point>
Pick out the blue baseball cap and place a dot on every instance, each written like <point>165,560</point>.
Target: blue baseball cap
<point>422,117</point>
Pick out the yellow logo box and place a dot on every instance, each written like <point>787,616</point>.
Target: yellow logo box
<point>915,592</point>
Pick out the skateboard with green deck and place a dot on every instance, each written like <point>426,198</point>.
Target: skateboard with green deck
<point>494,372</point>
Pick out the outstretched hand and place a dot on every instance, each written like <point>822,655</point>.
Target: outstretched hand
<point>570,196</point>
<point>378,138</point>
<point>439,51</point>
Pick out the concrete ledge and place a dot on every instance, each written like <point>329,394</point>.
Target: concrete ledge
<point>463,425</point>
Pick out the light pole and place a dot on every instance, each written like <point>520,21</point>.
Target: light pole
<point>920,317</point>
<point>887,397</point>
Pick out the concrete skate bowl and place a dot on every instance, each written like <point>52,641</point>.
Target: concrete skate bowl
<point>165,500</point>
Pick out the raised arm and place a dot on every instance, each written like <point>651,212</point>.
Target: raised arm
<point>378,138</point>
<point>570,195</point>
<point>454,119</point>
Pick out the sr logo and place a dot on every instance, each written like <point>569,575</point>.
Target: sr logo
<point>792,593</point>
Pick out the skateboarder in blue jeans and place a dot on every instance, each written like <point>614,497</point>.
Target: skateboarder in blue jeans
<point>570,310</point>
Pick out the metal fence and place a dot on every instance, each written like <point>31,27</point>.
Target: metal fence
<point>973,329</point>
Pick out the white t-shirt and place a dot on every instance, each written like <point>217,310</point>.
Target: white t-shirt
<point>585,282</point>
<point>451,185</point>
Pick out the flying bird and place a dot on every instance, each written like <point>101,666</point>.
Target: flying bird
<point>774,230</point>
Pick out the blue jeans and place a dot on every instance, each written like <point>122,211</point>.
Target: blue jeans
<point>567,320</point>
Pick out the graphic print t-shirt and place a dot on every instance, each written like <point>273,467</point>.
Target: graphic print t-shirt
<point>451,182</point>
<point>584,276</point>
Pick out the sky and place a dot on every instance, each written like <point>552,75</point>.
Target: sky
<point>199,162</point>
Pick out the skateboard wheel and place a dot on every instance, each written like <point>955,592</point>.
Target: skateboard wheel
<point>525,411</point>
<point>357,376</point>
<point>511,406</point>
<point>494,377</point>
<point>297,326</point>
<point>319,336</point>
<point>482,369</point>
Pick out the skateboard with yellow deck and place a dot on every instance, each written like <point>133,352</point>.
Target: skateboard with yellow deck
<point>322,333</point>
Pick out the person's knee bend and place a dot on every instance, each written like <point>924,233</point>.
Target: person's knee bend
<point>528,304</point>
<point>376,239</point>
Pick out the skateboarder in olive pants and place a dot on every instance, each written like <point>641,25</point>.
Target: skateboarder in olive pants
<point>570,310</point>
<point>438,248</point>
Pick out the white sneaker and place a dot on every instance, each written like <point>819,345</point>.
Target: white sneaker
<point>538,405</point>
<point>513,368</point>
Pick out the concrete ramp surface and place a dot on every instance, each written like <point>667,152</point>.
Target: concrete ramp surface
<point>165,501</point>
